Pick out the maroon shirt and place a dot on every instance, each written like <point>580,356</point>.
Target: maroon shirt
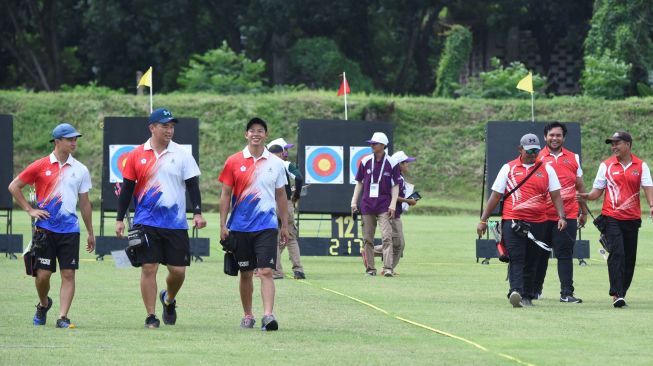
<point>389,177</point>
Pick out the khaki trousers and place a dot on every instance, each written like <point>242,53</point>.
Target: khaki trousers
<point>398,242</point>
<point>369,229</point>
<point>292,245</point>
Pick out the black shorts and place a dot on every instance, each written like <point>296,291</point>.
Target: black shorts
<point>256,249</point>
<point>165,246</point>
<point>63,247</point>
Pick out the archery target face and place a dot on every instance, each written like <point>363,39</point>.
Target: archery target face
<point>117,156</point>
<point>324,164</point>
<point>356,154</point>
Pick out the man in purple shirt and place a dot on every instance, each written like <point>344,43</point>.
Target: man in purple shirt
<point>377,178</point>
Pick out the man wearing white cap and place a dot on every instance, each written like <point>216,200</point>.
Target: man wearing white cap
<point>280,148</point>
<point>524,184</point>
<point>377,178</point>
<point>405,190</point>
<point>60,181</point>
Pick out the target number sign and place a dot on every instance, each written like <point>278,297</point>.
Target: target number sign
<point>324,164</point>
<point>356,155</point>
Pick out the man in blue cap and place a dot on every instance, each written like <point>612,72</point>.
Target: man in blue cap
<point>157,174</point>
<point>60,181</point>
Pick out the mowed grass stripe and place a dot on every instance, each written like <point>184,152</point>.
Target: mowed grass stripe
<point>434,330</point>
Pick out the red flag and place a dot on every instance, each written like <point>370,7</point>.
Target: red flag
<point>344,87</point>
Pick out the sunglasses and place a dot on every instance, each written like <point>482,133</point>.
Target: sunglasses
<point>532,151</point>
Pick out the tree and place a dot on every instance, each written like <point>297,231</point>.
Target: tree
<point>42,47</point>
<point>125,36</point>
<point>317,62</point>
<point>456,53</point>
<point>623,30</point>
<point>222,71</point>
<point>501,82</point>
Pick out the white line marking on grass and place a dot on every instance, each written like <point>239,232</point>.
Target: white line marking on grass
<point>434,330</point>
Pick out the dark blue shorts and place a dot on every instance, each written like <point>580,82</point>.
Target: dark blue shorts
<point>256,249</point>
<point>63,247</point>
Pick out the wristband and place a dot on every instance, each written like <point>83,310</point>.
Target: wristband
<point>483,222</point>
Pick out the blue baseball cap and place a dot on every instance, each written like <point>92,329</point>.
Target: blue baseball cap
<point>161,115</point>
<point>64,130</point>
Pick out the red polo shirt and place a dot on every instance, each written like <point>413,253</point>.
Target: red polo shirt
<point>528,202</point>
<point>567,168</point>
<point>622,185</point>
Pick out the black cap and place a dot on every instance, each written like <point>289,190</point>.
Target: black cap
<point>256,121</point>
<point>619,136</point>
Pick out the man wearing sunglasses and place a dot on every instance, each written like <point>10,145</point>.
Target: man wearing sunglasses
<point>526,186</point>
<point>567,167</point>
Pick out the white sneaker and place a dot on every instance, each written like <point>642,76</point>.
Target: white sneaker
<point>515,300</point>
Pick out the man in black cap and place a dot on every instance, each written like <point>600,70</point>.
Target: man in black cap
<point>525,185</point>
<point>157,174</point>
<point>59,180</point>
<point>621,177</point>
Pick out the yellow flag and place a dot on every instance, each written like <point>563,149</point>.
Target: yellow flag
<point>526,84</point>
<point>146,79</point>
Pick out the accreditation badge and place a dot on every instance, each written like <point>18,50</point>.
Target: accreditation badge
<point>374,190</point>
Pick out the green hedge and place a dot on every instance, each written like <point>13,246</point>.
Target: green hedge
<point>446,135</point>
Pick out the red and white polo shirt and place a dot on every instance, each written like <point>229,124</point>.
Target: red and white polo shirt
<point>254,181</point>
<point>57,190</point>
<point>528,201</point>
<point>622,184</point>
<point>567,167</point>
<point>160,193</point>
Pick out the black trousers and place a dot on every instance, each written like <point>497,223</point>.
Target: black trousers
<point>523,257</point>
<point>622,245</point>
<point>562,243</point>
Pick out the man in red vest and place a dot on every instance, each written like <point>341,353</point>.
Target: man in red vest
<point>567,167</point>
<point>621,176</point>
<point>523,221</point>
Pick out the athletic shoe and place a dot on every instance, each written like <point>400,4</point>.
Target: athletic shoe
<point>619,302</point>
<point>41,314</point>
<point>570,299</point>
<point>277,275</point>
<point>371,272</point>
<point>269,323</point>
<point>538,296</point>
<point>526,302</point>
<point>65,323</point>
<point>169,312</point>
<point>248,321</point>
<point>300,275</point>
<point>515,299</point>
<point>152,322</point>
<point>387,273</point>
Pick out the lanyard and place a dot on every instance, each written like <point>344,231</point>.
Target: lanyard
<point>372,169</point>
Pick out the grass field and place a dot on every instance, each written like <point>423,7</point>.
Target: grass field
<point>443,309</point>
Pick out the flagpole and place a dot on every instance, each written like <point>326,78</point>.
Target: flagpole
<point>151,85</point>
<point>533,107</point>
<point>344,82</point>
